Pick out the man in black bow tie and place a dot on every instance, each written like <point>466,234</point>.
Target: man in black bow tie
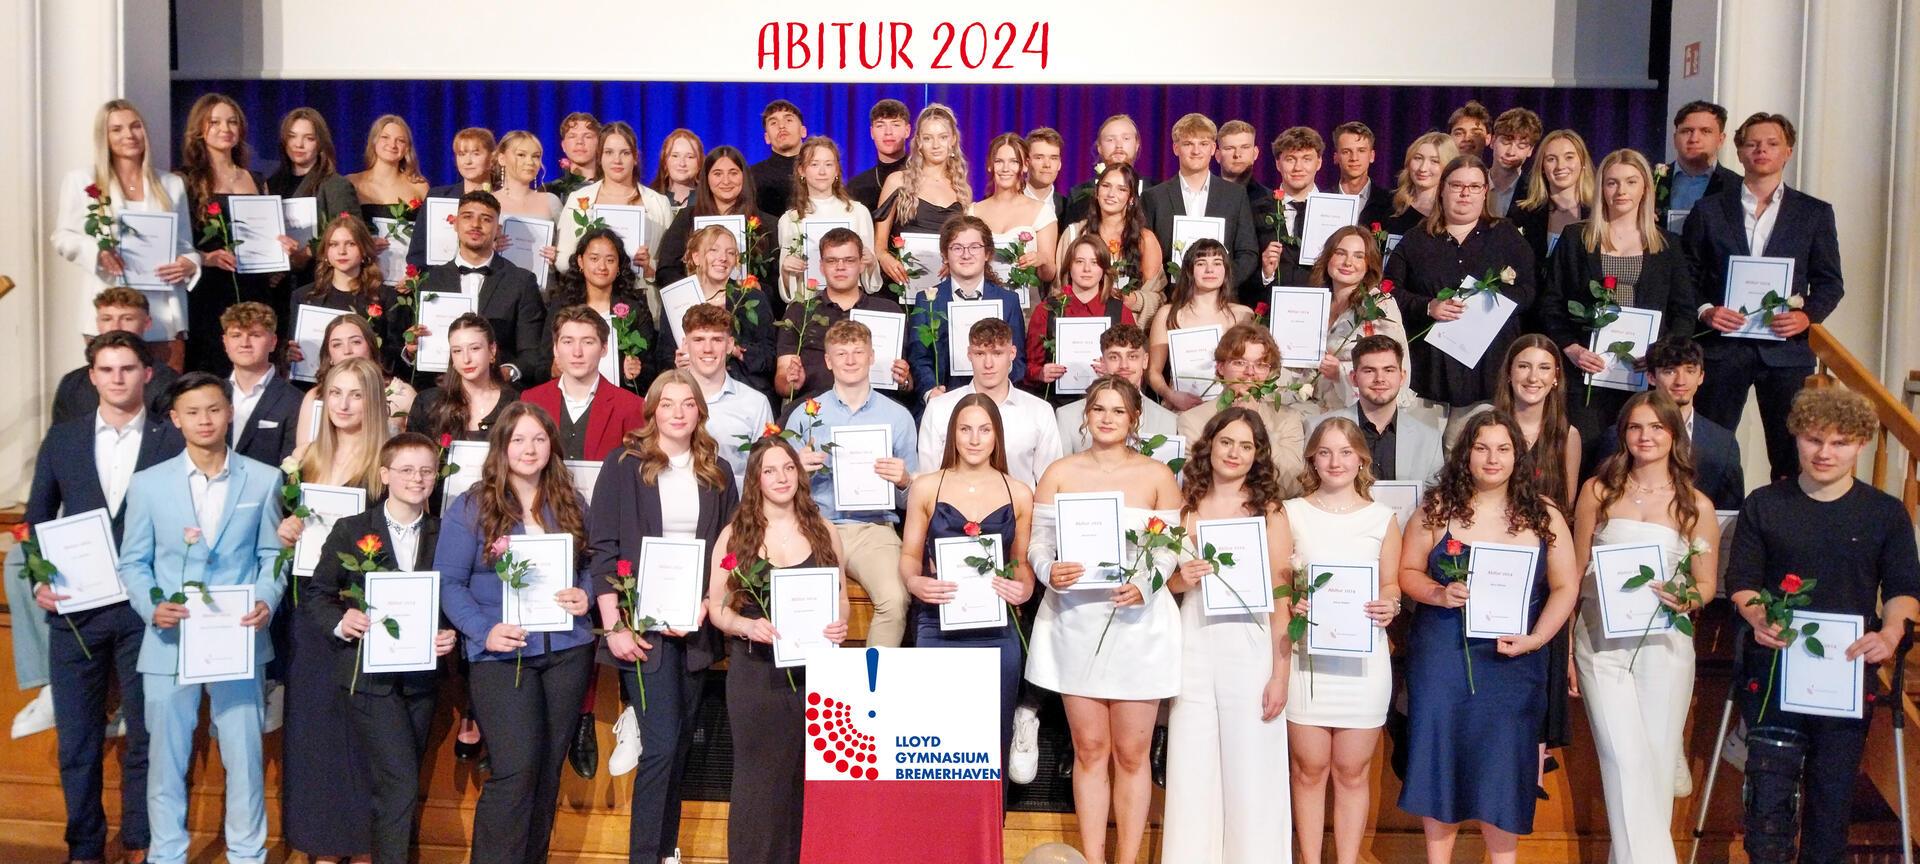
<point>506,295</point>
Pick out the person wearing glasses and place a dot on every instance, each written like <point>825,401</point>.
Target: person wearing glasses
<point>966,247</point>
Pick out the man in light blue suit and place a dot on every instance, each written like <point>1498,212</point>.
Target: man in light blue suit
<point>1404,445</point>
<point>208,515</point>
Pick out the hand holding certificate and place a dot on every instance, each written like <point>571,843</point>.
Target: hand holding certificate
<point>215,645</point>
<point>1826,683</point>
<point>1633,331</point>
<point>86,563</point>
<point>806,600</point>
<point>889,331</point>
<point>857,487</point>
<point>974,605</point>
<point>1499,589</point>
<point>1629,612</point>
<point>1759,287</point>
<point>1089,535</point>
<point>411,600</point>
<point>1326,213</point>
<point>1076,345</point>
<point>1246,585</point>
<point>258,224</point>
<point>534,606</point>
<point>672,582</point>
<point>147,241</point>
<point>1338,622</point>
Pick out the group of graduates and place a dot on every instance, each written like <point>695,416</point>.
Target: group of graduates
<point>703,366</point>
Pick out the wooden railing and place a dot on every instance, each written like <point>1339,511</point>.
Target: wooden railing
<point>1898,426</point>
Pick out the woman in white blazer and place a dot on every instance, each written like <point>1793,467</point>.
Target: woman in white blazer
<point>819,191</point>
<point>619,184</point>
<point>122,174</point>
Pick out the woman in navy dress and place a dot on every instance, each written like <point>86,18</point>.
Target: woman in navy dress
<point>1475,707</point>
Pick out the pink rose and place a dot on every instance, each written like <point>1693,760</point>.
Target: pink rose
<point>1026,236</point>
<point>620,310</point>
<point>191,535</point>
<point>497,548</point>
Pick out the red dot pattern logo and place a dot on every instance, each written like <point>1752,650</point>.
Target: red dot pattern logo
<point>831,733</point>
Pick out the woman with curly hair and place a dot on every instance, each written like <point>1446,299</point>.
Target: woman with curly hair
<point>933,188</point>
<point>1338,704</point>
<point>1225,800</point>
<point>778,525</point>
<point>1139,264</point>
<point>1475,707</point>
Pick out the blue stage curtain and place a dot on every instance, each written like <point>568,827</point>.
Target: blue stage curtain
<point>730,114</point>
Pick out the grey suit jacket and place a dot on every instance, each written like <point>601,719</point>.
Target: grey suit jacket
<point>1417,451</point>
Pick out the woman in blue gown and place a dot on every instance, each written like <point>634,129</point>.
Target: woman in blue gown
<point>1474,706</point>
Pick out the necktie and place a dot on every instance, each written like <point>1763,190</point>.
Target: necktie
<point>484,269</point>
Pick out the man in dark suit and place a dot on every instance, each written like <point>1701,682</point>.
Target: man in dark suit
<point>1237,156</point>
<point>1763,217</point>
<point>891,128</point>
<point>392,712</point>
<point>1676,366</point>
<point>593,414</point>
<point>1699,128</point>
<point>507,295</point>
<point>265,406</point>
<point>1353,157</point>
<point>1044,146</point>
<point>473,158</point>
<point>1296,157</point>
<point>113,309</point>
<point>1118,141</point>
<point>773,176</point>
<point>1193,192</point>
<point>87,463</point>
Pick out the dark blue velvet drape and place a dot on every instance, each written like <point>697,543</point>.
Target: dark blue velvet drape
<point>730,114</point>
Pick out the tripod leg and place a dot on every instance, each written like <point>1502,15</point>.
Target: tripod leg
<point>1713,771</point>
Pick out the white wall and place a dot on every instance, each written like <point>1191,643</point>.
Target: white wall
<point>1485,42</point>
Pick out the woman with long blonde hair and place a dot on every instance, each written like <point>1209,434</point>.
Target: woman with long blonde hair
<point>1560,192</point>
<point>1417,191</point>
<point>518,162</point>
<point>932,188</point>
<point>1622,251</point>
<point>392,175</point>
<point>324,813</point>
<point>344,338</point>
<point>123,175</point>
<point>666,481</point>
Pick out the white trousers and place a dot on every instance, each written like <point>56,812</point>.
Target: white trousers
<point>1638,718</point>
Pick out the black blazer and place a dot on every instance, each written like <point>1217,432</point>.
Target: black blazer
<point>510,301</point>
<point>269,433</point>
<point>1379,204</point>
<point>1716,461</point>
<point>670,266</point>
<point>1804,231</point>
<point>66,479</point>
<point>623,511</point>
<point>323,607</point>
<point>1722,179</point>
<point>391,341</point>
<point>1665,284</point>
<point>1532,225</point>
<point>1163,202</point>
<point>417,248</point>
<point>76,397</point>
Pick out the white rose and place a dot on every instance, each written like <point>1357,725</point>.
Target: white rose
<point>1306,391</point>
<point>1508,275</point>
<point>1660,170</point>
<point>290,466</point>
<point>1796,302</point>
<point>1699,545</point>
<point>1467,283</point>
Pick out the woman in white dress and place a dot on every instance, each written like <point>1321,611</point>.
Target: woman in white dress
<point>1226,794</point>
<point>1637,691</point>
<point>1339,703</point>
<point>619,184</point>
<point>124,175</point>
<point>1010,212</point>
<point>1111,678</point>
<point>820,192</point>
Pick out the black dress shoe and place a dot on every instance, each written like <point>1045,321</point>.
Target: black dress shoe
<point>1157,756</point>
<point>1064,768</point>
<point>465,751</point>
<point>584,755</point>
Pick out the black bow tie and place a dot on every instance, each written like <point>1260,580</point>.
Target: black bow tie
<point>484,269</point>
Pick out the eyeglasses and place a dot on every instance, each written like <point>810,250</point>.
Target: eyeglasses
<point>841,260</point>
<point>1472,188</point>
<point>1243,365</point>
<point>967,248</point>
<point>427,473</point>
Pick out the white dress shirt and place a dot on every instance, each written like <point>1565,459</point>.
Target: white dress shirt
<point>244,401</point>
<point>736,410</point>
<point>1195,200</point>
<point>577,407</point>
<point>1760,227</point>
<point>115,451</point>
<point>970,290</point>
<point>406,538</point>
<point>1032,433</point>
<point>210,496</point>
<point>470,282</point>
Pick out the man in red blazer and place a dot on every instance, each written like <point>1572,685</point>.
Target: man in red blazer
<point>593,414</point>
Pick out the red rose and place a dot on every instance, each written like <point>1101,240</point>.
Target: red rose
<point>899,242</point>
<point>1386,286</point>
<point>1374,227</point>
<point>771,430</point>
<point>623,568</point>
<point>446,440</point>
<point>93,191</point>
<point>213,208</point>
<point>1260,310</point>
<point>1753,686</point>
<point>413,203</point>
<point>1279,195</point>
<point>373,311</point>
<point>21,531</point>
<point>729,562</point>
<point>1455,548</point>
<point>1791,583</point>
<point>449,218</point>
<point>972,529</point>
<point>412,271</point>
<point>1608,282</point>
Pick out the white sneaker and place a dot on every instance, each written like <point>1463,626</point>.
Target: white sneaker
<point>37,716</point>
<point>117,724</point>
<point>1682,776</point>
<point>276,707</point>
<point>1024,762</point>
<point>672,859</point>
<point>626,747</point>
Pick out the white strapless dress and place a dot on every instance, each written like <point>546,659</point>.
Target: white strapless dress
<point>1140,658</point>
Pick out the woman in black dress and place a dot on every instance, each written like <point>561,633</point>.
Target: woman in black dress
<point>346,275</point>
<point>309,168</point>
<point>471,394</point>
<point>725,190</point>
<point>1559,195</point>
<point>711,256</point>
<point>1417,194</point>
<point>778,524</point>
<point>1461,239</point>
<point>932,188</point>
<point>213,161</point>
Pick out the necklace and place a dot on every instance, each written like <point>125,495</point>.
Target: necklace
<point>1644,491</point>
<point>1321,503</point>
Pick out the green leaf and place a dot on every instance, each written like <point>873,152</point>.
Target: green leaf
<point>158,596</point>
<point>1225,559</point>
<point>1577,308</point>
<point>1815,648</point>
<point>1297,628</point>
<point>1683,624</point>
<point>392,627</point>
<point>1810,629</point>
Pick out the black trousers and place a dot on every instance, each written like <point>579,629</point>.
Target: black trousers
<point>1723,398</point>
<point>112,635</point>
<point>666,738</point>
<point>391,731</point>
<point>528,728</point>
<point>767,710</point>
<point>1834,748</point>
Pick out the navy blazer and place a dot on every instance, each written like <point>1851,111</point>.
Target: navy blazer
<point>510,301</point>
<point>471,593</point>
<point>1716,461</point>
<point>270,430</point>
<point>1665,285</point>
<point>324,606</point>
<point>1224,199</point>
<point>66,479</point>
<point>625,511</point>
<point>76,397</point>
<point>1803,230</point>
